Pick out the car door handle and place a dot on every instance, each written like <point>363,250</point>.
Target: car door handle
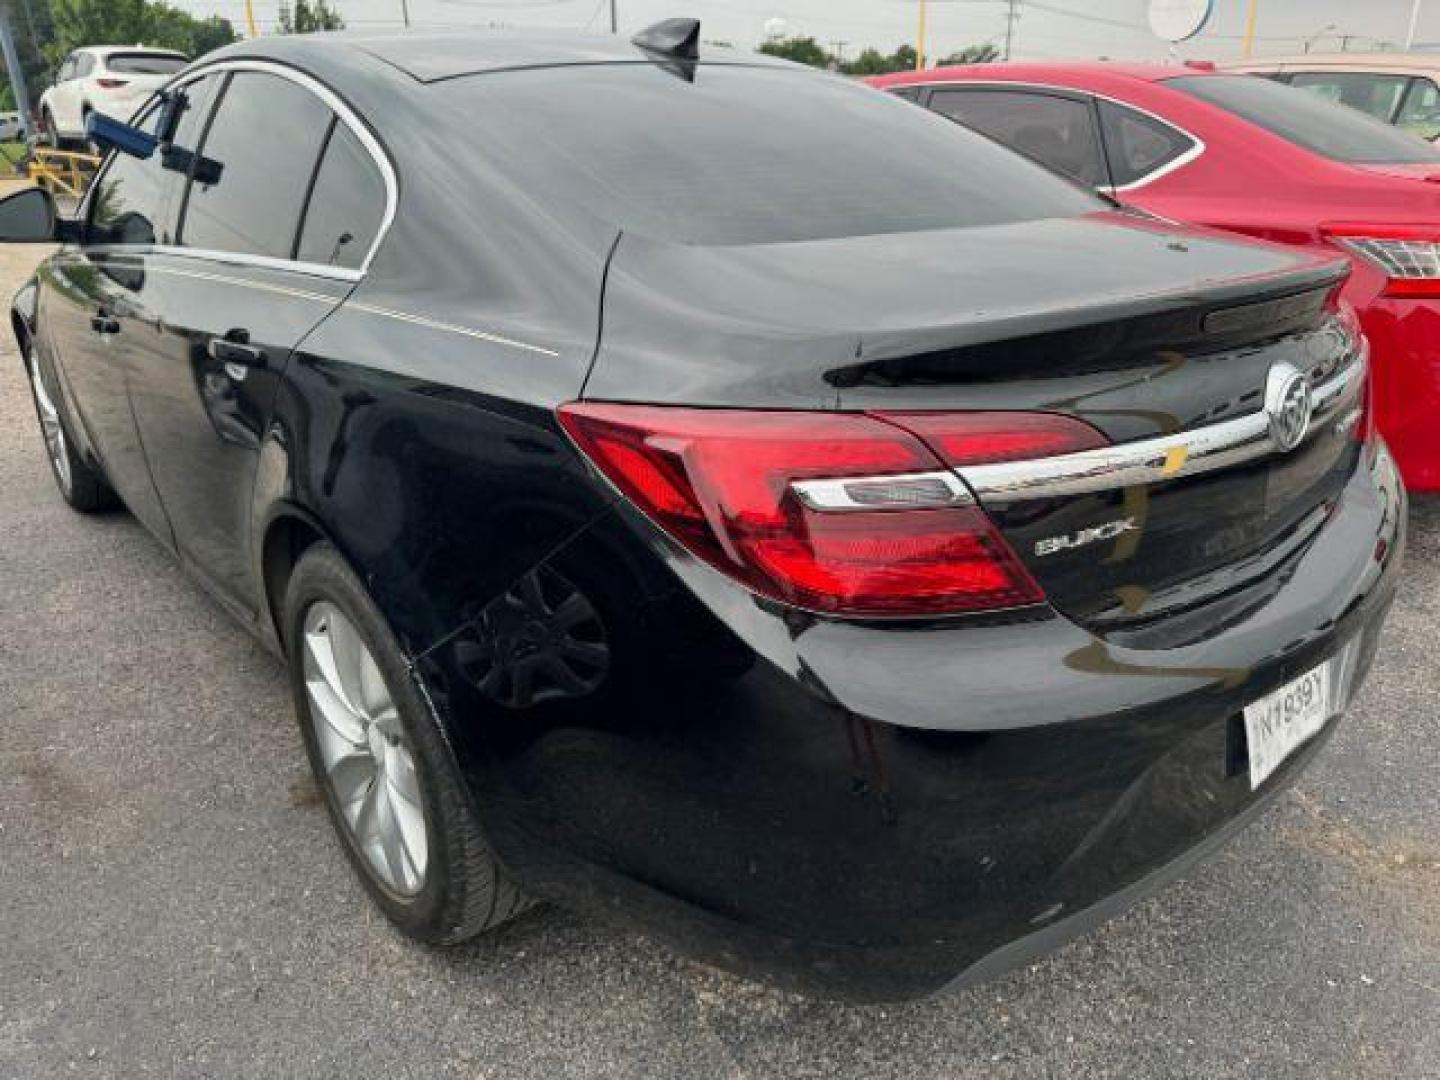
<point>225,350</point>
<point>102,322</point>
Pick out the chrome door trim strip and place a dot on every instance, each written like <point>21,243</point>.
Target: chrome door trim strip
<point>449,328</point>
<point>1148,461</point>
<point>369,309</point>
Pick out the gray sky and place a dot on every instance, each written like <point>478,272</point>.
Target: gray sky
<point>1046,28</point>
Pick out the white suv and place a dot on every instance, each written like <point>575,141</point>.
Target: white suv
<point>115,80</point>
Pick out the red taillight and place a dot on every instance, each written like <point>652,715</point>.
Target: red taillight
<point>835,512</point>
<point>980,438</point>
<point>1408,255</point>
<point>111,84</point>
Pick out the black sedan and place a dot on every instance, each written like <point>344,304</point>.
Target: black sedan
<point>717,496</point>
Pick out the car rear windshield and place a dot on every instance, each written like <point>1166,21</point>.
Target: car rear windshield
<point>137,63</point>
<point>1333,131</point>
<point>744,154</point>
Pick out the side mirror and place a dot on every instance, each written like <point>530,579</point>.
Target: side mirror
<point>28,217</point>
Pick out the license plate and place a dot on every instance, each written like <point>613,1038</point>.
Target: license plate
<point>1280,721</point>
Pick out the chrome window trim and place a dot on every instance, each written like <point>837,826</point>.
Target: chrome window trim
<point>1197,148</point>
<point>344,113</point>
<point>1148,461</point>
<point>232,258</point>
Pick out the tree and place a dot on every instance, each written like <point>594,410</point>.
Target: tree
<point>309,16</point>
<point>872,61</point>
<point>803,50</point>
<point>75,23</point>
<point>973,54</point>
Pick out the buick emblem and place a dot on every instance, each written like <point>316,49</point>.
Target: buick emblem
<point>1288,405</point>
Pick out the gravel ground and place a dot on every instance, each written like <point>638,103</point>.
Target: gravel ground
<point>172,903</point>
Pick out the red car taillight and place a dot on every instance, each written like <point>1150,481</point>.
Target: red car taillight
<point>843,513</point>
<point>111,84</point>
<point>1409,256</point>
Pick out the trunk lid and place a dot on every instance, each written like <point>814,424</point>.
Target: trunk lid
<point>1143,330</point>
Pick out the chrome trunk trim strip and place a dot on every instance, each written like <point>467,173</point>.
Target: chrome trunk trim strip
<point>1148,461</point>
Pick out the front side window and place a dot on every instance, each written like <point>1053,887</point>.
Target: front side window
<point>1058,132</point>
<point>1378,95</point>
<point>257,160</point>
<point>1308,121</point>
<point>346,205</point>
<point>127,205</point>
<point>1137,145</point>
<point>1420,115</point>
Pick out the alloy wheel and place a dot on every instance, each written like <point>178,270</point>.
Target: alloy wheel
<point>51,427</point>
<point>368,762</point>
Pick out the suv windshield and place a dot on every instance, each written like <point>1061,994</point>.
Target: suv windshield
<point>1333,131</point>
<point>745,154</point>
<point>137,63</point>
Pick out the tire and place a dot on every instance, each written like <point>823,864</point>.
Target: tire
<point>81,486</point>
<point>51,137</point>
<point>461,889</point>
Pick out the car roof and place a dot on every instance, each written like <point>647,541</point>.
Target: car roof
<point>429,56</point>
<point>1340,61</point>
<point>1026,70</point>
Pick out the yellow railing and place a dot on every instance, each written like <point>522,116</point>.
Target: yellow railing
<point>63,172</point>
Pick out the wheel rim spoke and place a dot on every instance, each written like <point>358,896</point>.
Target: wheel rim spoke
<point>51,428</point>
<point>368,764</point>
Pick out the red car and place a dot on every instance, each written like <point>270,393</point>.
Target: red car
<point>1244,153</point>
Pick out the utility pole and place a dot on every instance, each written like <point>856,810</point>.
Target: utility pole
<point>250,30</point>
<point>920,40</point>
<point>1250,18</point>
<point>405,12</point>
<point>614,21</point>
<point>1414,24</point>
<point>1011,16</point>
<point>17,73</point>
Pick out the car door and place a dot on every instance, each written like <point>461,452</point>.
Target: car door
<point>84,299</point>
<point>1057,128</point>
<point>218,312</point>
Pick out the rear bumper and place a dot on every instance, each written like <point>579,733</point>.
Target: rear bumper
<point>875,811</point>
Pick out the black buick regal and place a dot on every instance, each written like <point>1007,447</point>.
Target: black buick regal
<point>716,496</point>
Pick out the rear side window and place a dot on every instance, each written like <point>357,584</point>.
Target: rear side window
<point>84,65</point>
<point>346,206</point>
<point>260,152</point>
<point>1378,95</point>
<point>740,155</point>
<point>1058,132</point>
<point>1137,145</point>
<point>1307,121</point>
<point>138,63</point>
